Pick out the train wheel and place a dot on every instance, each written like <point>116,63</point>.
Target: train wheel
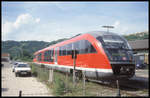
<point>79,74</point>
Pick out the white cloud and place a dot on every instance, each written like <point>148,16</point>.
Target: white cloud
<point>24,23</point>
<point>23,19</point>
<point>120,28</point>
<point>7,27</point>
<point>116,24</point>
<point>25,27</point>
<point>37,20</point>
<point>124,29</point>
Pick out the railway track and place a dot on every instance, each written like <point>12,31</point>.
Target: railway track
<point>128,87</point>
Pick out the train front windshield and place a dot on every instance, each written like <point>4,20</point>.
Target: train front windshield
<point>116,48</point>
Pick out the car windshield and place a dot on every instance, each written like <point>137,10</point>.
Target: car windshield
<point>15,63</point>
<point>23,65</point>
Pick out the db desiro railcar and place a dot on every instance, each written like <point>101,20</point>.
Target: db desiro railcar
<point>100,54</point>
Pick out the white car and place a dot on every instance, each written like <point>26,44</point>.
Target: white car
<point>22,69</point>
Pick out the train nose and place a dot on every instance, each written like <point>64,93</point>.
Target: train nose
<point>123,69</point>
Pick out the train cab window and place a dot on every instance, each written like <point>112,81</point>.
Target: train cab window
<point>115,47</point>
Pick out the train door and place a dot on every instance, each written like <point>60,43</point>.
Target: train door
<point>56,55</point>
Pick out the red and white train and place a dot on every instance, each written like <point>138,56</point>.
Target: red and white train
<point>99,54</point>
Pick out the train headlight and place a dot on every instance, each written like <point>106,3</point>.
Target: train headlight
<point>121,69</point>
<point>128,69</point>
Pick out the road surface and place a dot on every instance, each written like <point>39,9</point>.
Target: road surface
<point>29,86</point>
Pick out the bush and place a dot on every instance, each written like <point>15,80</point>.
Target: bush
<point>42,66</point>
<point>41,73</point>
<point>59,86</point>
<point>34,70</point>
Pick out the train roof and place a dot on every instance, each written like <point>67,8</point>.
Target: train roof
<point>101,33</point>
<point>93,33</point>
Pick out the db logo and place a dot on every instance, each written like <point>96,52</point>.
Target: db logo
<point>124,58</point>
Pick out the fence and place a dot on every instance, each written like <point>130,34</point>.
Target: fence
<point>62,83</point>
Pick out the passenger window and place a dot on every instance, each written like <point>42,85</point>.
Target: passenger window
<point>64,50</point>
<point>76,46</point>
<point>52,55</point>
<point>40,57</point>
<point>82,47</point>
<point>69,49</point>
<point>60,51</point>
<point>45,56</point>
<point>87,47</point>
<point>49,55</point>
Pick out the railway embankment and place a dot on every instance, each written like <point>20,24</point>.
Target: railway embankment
<point>62,85</point>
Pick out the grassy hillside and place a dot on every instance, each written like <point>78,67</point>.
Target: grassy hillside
<point>24,49</point>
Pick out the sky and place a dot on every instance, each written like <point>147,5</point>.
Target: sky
<point>49,21</point>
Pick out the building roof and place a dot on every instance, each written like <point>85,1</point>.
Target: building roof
<point>5,55</point>
<point>139,44</point>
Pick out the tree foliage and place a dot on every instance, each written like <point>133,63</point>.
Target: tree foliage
<point>24,49</point>
<point>137,36</point>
